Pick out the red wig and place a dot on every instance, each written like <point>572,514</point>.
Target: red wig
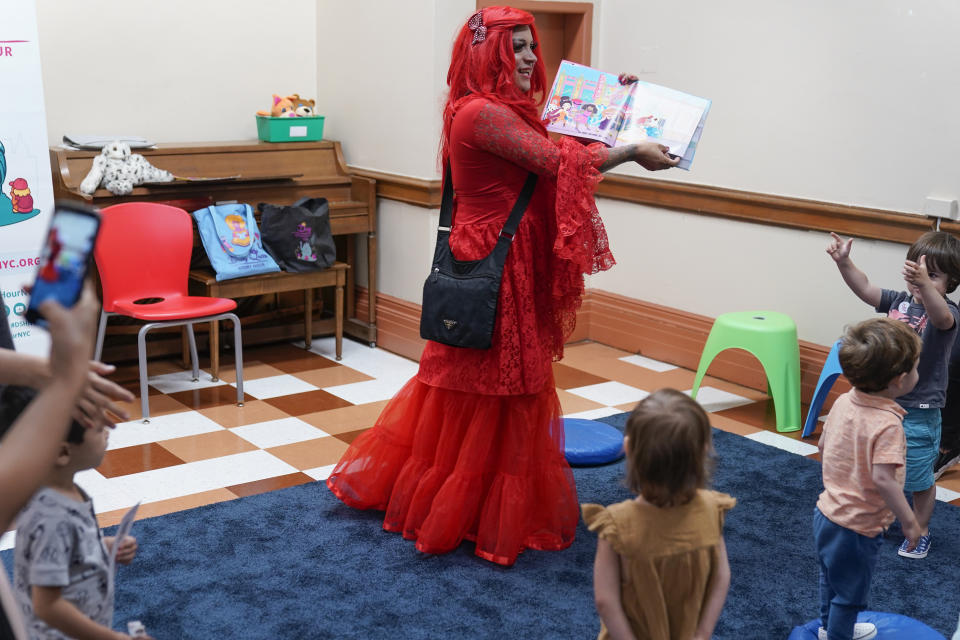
<point>485,69</point>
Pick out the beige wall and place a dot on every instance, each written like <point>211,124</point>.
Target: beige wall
<point>381,72</point>
<point>842,102</point>
<point>710,266</point>
<point>172,71</point>
<point>849,102</point>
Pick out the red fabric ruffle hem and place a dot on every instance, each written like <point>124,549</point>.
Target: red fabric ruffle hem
<point>448,466</point>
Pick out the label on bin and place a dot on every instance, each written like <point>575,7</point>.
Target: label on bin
<point>298,132</point>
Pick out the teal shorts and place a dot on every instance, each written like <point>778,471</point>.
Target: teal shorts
<point>922,428</point>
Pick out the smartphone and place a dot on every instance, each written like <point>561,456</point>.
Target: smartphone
<point>64,257</point>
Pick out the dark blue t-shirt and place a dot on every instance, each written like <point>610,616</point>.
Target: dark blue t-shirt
<point>931,389</point>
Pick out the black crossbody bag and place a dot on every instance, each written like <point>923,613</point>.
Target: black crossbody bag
<point>460,296</point>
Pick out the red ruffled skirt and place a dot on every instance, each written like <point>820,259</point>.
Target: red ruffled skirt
<point>448,465</point>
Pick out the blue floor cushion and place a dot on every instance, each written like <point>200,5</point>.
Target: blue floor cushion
<point>890,626</point>
<point>588,442</point>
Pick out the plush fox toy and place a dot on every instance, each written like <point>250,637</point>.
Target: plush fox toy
<point>282,108</point>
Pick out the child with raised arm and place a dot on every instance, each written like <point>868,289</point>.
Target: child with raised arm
<point>661,567</point>
<point>864,453</point>
<point>931,270</point>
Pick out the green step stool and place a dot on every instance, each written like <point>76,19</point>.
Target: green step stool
<point>771,337</point>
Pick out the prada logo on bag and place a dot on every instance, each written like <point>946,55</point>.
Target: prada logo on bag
<point>449,324</point>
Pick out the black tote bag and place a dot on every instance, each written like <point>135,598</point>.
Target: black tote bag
<point>298,236</point>
<point>460,296</point>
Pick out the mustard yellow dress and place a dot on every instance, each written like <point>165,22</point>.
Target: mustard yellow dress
<point>667,556</point>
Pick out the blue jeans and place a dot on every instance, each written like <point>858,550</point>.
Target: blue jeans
<point>847,561</point>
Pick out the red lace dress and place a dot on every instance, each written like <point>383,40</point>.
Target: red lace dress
<point>472,447</point>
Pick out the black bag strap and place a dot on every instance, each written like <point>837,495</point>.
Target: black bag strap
<point>510,228</point>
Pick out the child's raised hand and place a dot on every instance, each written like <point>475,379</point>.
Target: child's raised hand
<point>127,550</point>
<point>916,273</point>
<point>839,249</point>
<point>916,270</point>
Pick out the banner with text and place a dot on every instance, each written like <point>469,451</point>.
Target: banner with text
<point>26,188</point>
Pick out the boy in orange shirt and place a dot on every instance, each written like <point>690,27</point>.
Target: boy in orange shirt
<point>863,449</point>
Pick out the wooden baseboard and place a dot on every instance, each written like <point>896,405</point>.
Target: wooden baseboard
<point>398,323</point>
<point>658,332</point>
<point>677,337</point>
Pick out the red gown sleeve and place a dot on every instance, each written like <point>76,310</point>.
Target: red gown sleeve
<point>581,238</point>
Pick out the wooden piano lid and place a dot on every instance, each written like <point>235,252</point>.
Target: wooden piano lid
<point>206,166</point>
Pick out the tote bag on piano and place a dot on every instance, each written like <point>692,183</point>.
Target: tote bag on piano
<point>298,235</point>
<point>232,241</point>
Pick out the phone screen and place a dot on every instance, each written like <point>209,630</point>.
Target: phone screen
<point>64,258</point>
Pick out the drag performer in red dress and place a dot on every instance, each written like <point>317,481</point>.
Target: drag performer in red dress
<point>472,447</point>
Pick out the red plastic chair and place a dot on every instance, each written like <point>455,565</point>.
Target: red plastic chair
<point>143,256</point>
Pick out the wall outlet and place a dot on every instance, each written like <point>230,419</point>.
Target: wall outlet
<point>941,208</point>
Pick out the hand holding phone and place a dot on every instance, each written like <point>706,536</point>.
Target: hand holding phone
<point>64,258</point>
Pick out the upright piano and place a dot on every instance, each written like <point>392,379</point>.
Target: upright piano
<point>252,172</point>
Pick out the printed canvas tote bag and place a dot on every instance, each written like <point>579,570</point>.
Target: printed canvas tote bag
<point>298,236</point>
<point>232,241</point>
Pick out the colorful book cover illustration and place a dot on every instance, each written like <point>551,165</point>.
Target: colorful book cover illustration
<point>589,103</point>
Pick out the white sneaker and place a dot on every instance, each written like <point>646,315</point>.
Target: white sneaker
<point>861,631</point>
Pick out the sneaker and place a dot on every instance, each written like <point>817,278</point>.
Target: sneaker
<point>861,631</point>
<point>945,460</point>
<point>919,551</point>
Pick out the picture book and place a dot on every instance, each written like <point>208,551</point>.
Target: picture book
<point>589,103</point>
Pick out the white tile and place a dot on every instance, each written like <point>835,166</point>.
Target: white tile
<point>610,393</point>
<point>369,390</point>
<point>320,473</point>
<point>182,381</point>
<point>274,386</point>
<point>172,425</point>
<point>274,433</point>
<point>106,494</point>
<point>203,475</point>
<point>946,495</point>
<point>713,399</point>
<point>7,539</point>
<point>374,362</point>
<point>594,414</point>
<point>783,442</point>
<point>648,363</point>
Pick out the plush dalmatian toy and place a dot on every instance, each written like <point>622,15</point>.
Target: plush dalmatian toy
<point>120,171</point>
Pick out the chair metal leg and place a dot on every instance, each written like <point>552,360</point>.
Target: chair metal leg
<point>194,360</point>
<point>215,349</point>
<point>238,356</point>
<point>142,358</point>
<point>101,332</point>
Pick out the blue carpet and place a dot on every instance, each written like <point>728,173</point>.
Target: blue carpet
<point>298,564</point>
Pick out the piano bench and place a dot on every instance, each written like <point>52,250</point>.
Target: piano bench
<point>204,282</point>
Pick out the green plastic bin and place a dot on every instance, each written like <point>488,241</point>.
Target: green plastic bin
<point>289,129</point>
